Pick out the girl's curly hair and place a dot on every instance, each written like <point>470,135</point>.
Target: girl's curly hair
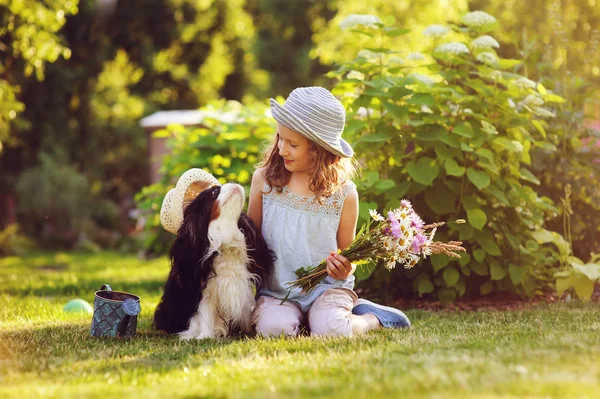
<point>328,171</point>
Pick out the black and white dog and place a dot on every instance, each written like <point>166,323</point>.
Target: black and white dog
<point>218,262</point>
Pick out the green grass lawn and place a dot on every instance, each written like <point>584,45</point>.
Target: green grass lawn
<point>543,351</point>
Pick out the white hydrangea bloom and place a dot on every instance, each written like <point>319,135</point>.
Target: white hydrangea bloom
<point>477,19</point>
<point>525,83</point>
<point>533,99</point>
<point>356,75</point>
<point>426,80</point>
<point>487,58</point>
<point>396,60</point>
<point>368,54</point>
<point>452,48</point>
<point>485,41</point>
<point>416,57</point>
<point>543,112</point>
<point>435,31</point>
<point>496,75</point>
<point>353,20</point>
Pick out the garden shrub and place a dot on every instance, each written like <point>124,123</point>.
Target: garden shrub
<point>228,144</point>
<point>452,128</point>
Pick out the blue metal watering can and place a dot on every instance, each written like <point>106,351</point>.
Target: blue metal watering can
<point>115,313</point>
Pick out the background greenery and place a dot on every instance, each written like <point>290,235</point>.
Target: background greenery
<point>77,76</point>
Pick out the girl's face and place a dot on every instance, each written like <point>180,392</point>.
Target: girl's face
<point>294,148</point>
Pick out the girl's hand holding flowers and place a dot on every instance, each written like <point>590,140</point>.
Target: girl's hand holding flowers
<point>339,267</point>
<point>401,238</point>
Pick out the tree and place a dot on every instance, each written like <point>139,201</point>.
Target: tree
<point>28,40</point>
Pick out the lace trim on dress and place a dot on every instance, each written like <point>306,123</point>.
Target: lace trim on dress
<point>331,206</point>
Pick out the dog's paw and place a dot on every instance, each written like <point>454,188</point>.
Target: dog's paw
<point>187,335</point>
<point>205,336</point>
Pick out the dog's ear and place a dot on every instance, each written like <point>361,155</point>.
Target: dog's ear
<point>261,257</point>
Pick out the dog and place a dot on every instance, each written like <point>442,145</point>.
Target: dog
<point>218,261</point>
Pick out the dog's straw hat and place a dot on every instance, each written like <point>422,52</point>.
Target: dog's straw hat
<point>316,114</point>
<point>189,185</point>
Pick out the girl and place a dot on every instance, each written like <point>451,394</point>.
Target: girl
<point>306,205</point>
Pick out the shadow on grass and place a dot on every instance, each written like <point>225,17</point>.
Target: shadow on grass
<point>86,288</point>
<point>68,348</point>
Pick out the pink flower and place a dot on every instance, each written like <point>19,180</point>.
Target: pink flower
<point>418,241</point>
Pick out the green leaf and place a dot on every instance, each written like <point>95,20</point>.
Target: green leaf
<point>539,128</point>
<point>480,179</point>
<point>439,261</point>
<point>485,153</point>
<point>425,287</point>
<point>516,273</point>
<point>421,99</point>
<point>431,133</point>
<point>363,209</point>
<point>584,287</point>
<point>384,184</point>
<point>451,276</point>
<point>452,140</point>
<point>480,269</point>
<point>464,129</point>
<point>424,171</point>
<point>486,288</point>
<point>374,138</point>
<point>465,258</point>
<point>543,236</point>
<point>508,145</point>
<point>398,111</point>
<point>506,63</point>
<point>440,199</point>
<point>479,255</point>
<point>364,271</point>
<point>562,284</point>
<point>496,192</point>
<point>553,98</point>
<point>446,295</point>
<point>453,169</point>
<point>488,244</point>
<point>393,32</point>
<point>591,270</point>
<point>497,272</point>
<point>477,218</point>
<point>527,175</point>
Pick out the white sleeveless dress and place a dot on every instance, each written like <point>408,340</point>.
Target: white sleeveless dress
<point>302,233</point>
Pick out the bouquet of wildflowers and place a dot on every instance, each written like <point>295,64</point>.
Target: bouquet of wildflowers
<point>401,238</point>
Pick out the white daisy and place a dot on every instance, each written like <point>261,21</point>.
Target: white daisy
<point>375,215</point>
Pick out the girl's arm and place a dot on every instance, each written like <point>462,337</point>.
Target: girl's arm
<point>255,198</point>
<point>338,266</point>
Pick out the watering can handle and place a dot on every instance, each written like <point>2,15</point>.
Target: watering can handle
<point>105,287</point>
